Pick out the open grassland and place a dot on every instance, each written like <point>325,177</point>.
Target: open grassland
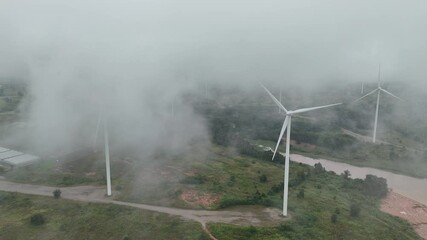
<point>220,177</point>
<point>232,179</point>
<point>66,219</point>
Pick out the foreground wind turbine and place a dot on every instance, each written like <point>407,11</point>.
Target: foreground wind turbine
<point>287,124</point>
<point>378,90</point>
<point>107,151</point>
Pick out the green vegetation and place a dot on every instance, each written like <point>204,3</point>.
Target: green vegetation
<point>233,171</point>
<point>29,217</point>
<point>234,119</point>
<point>315,195</point>
<point>64,173</point>
<point>57,193</point>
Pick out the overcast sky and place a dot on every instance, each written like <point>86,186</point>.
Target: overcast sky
<point>76,51</point>
<point>226,40</point>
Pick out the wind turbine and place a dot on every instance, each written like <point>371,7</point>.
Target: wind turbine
<point>280,97</point>
<point>107,150</point>
<point>378,90</point>
<point>287,124</point>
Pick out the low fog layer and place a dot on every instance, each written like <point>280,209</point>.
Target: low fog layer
<point>132,61</point>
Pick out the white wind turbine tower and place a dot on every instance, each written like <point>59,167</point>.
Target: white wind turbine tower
<point>107,150</point>
<point>378,90</point>
<point>287,124</point>
<point>280,97</point>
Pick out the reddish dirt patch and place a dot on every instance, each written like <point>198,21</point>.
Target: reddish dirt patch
<point>190,174</point>
<point>408,209</point>
<point>201,199</point>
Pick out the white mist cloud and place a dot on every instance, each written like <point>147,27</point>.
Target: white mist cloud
<point>135,58</point>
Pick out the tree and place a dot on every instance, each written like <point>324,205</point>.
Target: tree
<point>300,194</point>
<point>37,219</point>
<point>57,193</point>
<point>354,210</point>
<point>318,168</point>
<point>346,174</point>
<point>375,186</point>
<point>263,178</point>
<point>334,218</point>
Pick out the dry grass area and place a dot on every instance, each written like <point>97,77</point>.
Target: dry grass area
<point>200,199</point>
<point>408,209</point>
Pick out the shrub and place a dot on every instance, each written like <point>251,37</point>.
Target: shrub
<point>334,218</point>
<point>318,168</point>
<point>263,178</point>
<point>252,230</point>
<point>354,210</point>
<point>375,186</point>
<point>300,194</point>
<point>57,193</point>
<point>37,219</point>
<point>346,174</point>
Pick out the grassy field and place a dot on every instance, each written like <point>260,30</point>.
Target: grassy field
<point>47,172</point>
<point>73,220</point>
<point>228,179</point>
<point>238,180</point>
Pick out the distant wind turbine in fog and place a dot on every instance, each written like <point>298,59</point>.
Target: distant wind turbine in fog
<point>106,148</point>
<point>378,90</point>
<point>287,124</point>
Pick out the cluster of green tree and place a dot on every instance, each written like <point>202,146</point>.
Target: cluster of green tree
<point>229,125</point>
<point>246,148</point>
<point>375,186</point>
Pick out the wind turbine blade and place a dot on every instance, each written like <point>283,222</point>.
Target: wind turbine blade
<point>391,94</point>
<point>285,124</point>
<point>96,132</point>
<point>379,75</point>
<point>314,108</point>
<point>373,91</point>
<point>274,99</point>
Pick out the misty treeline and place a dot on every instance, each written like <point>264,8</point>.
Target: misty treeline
<point>236,116</point>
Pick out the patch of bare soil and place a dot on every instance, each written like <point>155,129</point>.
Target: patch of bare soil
<point>412,211</point>
<point>200,198</point>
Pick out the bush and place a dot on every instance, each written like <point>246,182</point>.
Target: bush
<point>354,210</point>
<point>37,219</point>
<point>300,194</point>
<point>252,230</point>
<point>346,174</point>
<point>334,218</point>
<point>57,193</point>
<point>318,168</point>
<point>263,178</point>
<point>375,186</point>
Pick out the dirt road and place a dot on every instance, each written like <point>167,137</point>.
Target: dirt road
<point>248,215</point>
<point>403,207</point>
